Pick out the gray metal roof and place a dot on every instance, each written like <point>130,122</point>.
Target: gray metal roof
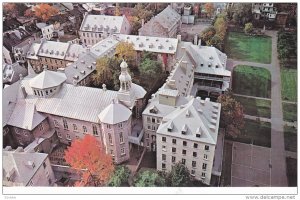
<point>74,51</point>
<point>9,100</point>
<point>25,115</point>
<point>77,102</point>
<point>102,23</point>
<point>196,117</point>
<point>53,49</point>
<point>47,79</point>
<point>114,113</point>
<point>21,164</point>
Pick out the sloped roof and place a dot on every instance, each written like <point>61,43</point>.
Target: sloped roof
<point>198,117</point>
<point>25,115</point>
<point>17,161</point>
<point>9,100</point>
<point>168,17</point>
<point>74,51</point>
<point>102,23</point>
<point>33,51</point>
<point>114,113</point>
<point>139,91</point>
<point>47,79</point>
<point>53,49</point>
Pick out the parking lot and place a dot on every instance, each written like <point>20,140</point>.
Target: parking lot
<point>250,165</point>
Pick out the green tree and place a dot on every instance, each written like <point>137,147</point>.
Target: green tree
<point>120,177</point>
<point>221,26</point>
<point>179,176</point>
<point>150,68</point>
<point>232,114</point>
<point>149,179</point>
<point>207,33</point>
<point>217,42</point>
<point>242,13</point>
<point>248,28</point>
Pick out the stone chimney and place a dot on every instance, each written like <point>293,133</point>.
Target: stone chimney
<point>195,39</point>
<point>179,38</point>
<point>104,87</point>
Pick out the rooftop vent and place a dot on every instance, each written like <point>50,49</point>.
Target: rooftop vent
<point>75,66</point>
<point>90,67</point>
<point>184,129</point>
<point>94,63</point>
<point>82,72</point>
<point>82,61</point>
<point>188,113</point>
<point>30,164</point>
<point>76,77</point>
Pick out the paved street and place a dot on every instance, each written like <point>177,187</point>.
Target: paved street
<point>278,155</point>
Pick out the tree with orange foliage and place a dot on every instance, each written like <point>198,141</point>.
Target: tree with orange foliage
<point>88,154</point>
<point>44,11</point>
<point>28,13</point>
<point>9,8</point>
<point>209,8</point>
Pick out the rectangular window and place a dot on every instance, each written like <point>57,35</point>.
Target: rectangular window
<point>110,139</point>
<point>112,152</point>
<point>193,163</point>
<point>120,125</point>
<point>205,156</point>
<point>164,139</point>
<point>121,138</point>
<point>153,128</point>
<point>108,126</point>
<point>75,127</point>
<point>122,151</point>
<point>203,175</point>
<point>206,148</point>
<point>195,145</point>
<point>204,166</point>
<point>184,143</point>
<point>193,172</point>
<point>149,127</point>
<point>84,129</point>
<point>148,119</point>
<point>163,165</point>
<point>183,152</point>
<point>95,131</point>
<point>56,124</point>
<point>41,128</point>
<point>183,161</point>
<point>59,135</point>
<point>44,165</point>
<point>173,150</point>
<point>164,157</point>
<point>194,154</point>
<point>153,120</point>
<point>68,137</point>
<point>174,141</point>
<point>173,159</point>
<point>65,124</point>
<point>164,148</point>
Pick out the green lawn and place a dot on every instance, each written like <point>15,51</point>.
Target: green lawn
<point>256,132</point>
<point>255,107</point>
<point>248,48</point>
<point>251,81</point>
<point>290,138</point>
<point>289,112</point>
<point>291,170</point>
<point>289,84</point>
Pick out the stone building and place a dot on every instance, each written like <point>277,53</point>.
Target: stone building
<point>264,10</point>
<point>23,168</point>
<point>166,24</point>
<point>95,28</point>
<point>47,108</point>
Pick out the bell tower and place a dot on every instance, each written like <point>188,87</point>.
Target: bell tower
<point>125,94</point>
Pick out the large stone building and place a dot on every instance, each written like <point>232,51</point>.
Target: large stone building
<point>44,107</point>
<point>166,24</point>
<point>95,28</point>
<point>26,168</point>
<point>264,10</point>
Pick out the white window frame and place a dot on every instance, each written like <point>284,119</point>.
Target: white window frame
<point>121,137</point>
<point>68,137</point>
<point>123,151</point>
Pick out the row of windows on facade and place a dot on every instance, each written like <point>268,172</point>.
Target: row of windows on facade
<point>193,172</point>
<point>183,161</point>
<point>19,131</point>
<point>92,35</point>
<point>122,152</point>
<point>47,175</point>
<point>42,93</point>
<point>183,152</point>
<point>153,120</point>
<point>52,61</point>
<point>184,143</point>
<point>75,128</point>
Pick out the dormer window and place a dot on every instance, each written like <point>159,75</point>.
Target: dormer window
<point>170,127</point>
<point>184,129</point>
<point>198,135</point>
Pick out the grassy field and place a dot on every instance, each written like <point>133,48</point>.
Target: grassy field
<point>289,112</point>
<point>289,84</point>
<point>251,81</point>
<point>258,133</point>
<point>291,170</point>
<point>255,107</point>
<point>248,48</point>
<point>290,138</point>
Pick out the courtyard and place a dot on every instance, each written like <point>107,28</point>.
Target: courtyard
<point>251,81</point>
<point>250,165</point>
<point>240,46</point>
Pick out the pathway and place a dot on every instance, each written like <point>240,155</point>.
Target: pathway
<point>278,155</point>
<point>263,119</point>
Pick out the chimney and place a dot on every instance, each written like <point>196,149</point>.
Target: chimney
<point>195,39</point>
<point>104,87</point>
<point>199,43</point>
<point>179,38</point>
<point>143,22</point>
